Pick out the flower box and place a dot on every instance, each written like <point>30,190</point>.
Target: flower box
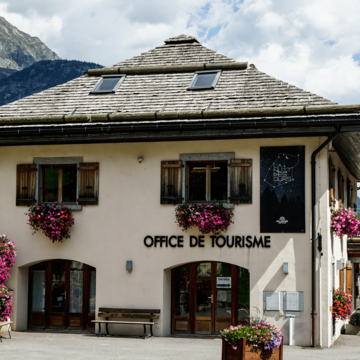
<point>247,350</point>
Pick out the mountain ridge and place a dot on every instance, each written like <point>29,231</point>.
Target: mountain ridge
<point>41,76</point>
<point>19,50</point>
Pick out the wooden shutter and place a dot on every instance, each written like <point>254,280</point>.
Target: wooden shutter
<point>241,181</point>
<point>339,189</point>
<point>88,184</point>
<point>349,278</point>
<point>25,184</point>
<point>341,278</point>
<point>331,183</point>
<point>171,182</point>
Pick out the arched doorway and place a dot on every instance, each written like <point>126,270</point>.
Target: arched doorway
<point>62,295</point>
<point>208,297</point>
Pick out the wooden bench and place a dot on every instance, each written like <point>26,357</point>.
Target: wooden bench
<point>107,313</point>
<point>5,323</point>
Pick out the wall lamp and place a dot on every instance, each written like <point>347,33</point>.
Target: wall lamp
<point>285,267</point>
<point>140,159</point>
<point>129,265</point>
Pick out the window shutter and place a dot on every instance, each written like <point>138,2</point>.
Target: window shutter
<point>25,184</point>
<point>88,184</point>
<point>339,189</point>
<point>241,181</point>
<point>348,192</point>
<point>341,278</point>
<point>171,182</point>
<point>331,183</point>
<point>349,277</point>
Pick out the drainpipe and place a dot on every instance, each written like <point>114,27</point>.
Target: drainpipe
<point>313,235</point>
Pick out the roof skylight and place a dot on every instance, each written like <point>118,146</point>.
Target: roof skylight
<point>204,80</point>
<point>107,84</point>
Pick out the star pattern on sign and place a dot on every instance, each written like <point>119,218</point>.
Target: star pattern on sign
<point>281,171</point>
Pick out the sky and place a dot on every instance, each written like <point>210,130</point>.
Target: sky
<point>313,44</point>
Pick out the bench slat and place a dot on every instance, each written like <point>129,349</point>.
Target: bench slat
<point>129,316</point>
<point>123,322</point>
<point>129,311</point>
<point>5,323</point>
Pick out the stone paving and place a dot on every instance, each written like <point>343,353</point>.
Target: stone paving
<point>36,345</point>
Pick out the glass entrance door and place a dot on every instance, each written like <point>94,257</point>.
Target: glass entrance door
<point>62,295</point>
<point>59,301</point>
<point>204,299</point>
<point>208,297</point>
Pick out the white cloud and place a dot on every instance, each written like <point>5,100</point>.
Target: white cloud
<point>45,28</point>
<point>310,44</point>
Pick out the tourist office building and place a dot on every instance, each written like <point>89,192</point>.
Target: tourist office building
<point>123,146</point>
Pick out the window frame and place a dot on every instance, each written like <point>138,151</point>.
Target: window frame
<point>210,157</point>
<point>60,183</point>
<point>100,81</point>
<point>56,161</point>
<point>192,85</point>
<point>208,164</point>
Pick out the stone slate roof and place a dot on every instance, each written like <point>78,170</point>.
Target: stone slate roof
<point>236,89</point>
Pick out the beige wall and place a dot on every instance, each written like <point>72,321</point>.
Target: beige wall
<point>336,248</point>
<point>107,235</point>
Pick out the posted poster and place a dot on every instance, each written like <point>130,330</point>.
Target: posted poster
<point>282,189</point>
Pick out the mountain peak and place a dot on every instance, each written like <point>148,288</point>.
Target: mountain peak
<point>19,50</point>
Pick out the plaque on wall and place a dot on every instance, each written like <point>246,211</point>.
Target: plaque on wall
<point>282,189</point>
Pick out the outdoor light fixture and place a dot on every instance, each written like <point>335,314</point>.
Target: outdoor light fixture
<point>286,268</point>
<point>140,159</point>
<point>129,265</point>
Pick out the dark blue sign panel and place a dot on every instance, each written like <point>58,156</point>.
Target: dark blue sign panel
<point>282,189</point>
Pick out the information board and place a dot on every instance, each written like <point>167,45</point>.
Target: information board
<point>294,301</point>
<point>282,189</point>
<point>223,282</point>
<point>273,300</point>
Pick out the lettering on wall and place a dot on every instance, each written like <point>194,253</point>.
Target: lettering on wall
<point>230,241</point>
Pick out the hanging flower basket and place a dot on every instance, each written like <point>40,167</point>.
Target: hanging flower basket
<point>54,221</point>
<point>7,257</point>
<point>341,309</point>
<point>208,218</point>
<point>5,303</point>
<point>344,222</point>
<point>258,341</point>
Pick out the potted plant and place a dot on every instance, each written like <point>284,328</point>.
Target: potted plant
<point>7,257</point>
<point>55,221</point>
<point>341,308</point>
<point>259,340</point>
<point>5,303</point>
<point>208,218</point>
<point>344,222</point>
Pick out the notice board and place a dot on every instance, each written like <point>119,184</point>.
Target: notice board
<point>282,189</point>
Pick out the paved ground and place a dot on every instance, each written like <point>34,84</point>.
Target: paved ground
<point>26,345</point>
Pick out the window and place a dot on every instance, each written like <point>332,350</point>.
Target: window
<point>204,80</point>
<point>107,84</point>
<point>59,183</point>
<point>207,181</point>
<point>66,180</point>
<point>331,183</point>
<point>217,177</point>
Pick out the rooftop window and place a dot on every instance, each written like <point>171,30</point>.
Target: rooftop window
<point>204,80</point>
<point>107,84</point>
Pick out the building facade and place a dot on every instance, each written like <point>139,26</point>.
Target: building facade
<point>124,145</point>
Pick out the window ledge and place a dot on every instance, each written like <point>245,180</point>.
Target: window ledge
<point>71,207</point>
<point>226,205</point>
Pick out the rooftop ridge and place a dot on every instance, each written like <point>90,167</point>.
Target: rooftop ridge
<point>181,39</point>
<point>167,68</point>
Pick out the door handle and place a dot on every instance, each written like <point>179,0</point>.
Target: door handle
<point>64,293</point>
<point>212,298</point>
